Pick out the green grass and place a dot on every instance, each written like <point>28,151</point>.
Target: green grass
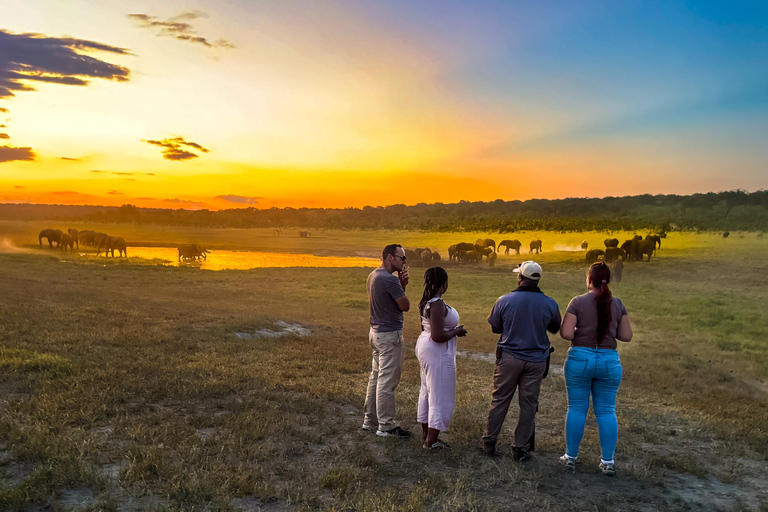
<point>135,367</point>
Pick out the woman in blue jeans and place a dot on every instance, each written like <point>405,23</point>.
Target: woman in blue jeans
<point>592,323</point>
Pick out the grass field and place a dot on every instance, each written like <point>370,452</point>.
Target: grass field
<point>123,387</point>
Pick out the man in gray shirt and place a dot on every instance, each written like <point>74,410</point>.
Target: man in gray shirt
<point>386,296</point>
<point>522,318</point>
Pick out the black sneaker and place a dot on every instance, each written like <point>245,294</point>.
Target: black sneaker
<point>490,450</point>
<point>520,455</point>
<point>395,432</point>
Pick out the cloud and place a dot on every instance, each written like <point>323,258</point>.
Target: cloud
<point>17,186</point>
<point>173,150</point>
<point>178,28</point>
<point>69,159</point>
<point>185,202</point>
<point>5,110</point>
<point>240,199</point>
<point>115,192</point>
<point>10,154</point>
<point>4,136</point>
<point>39,58</point>
<point>121,173</point>
<point>3,126</point>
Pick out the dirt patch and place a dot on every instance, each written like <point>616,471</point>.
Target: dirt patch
<point>282,329</point>
<point>77,499</point>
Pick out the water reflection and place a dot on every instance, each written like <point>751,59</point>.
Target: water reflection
<point>220,260</point>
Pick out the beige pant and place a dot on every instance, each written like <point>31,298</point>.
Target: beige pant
<point>386,368</point>
<point>510,374</point>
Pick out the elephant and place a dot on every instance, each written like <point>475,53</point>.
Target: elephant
<point>484,251</point>
<point>191,252</point>
<point>86,237</point>
<point>457,248</point>
<point>469,256</point>
<point>627,249</point>
<point>304,234</point>
<point>510,244</point>
<point>643,247</point>
<point>411,255</point>
<point>584,244</point>
<point>617,268</point>
<point>611,242</point>
<point>66,240</point>
<point>535,246</point>
<point>426,256</point>
<point>112,243</point>
<point>656,241</point>
<point>435,256</point>
<point>74,234</point>
<point>53,235</point>
<point>492,259</point>
<point>726,234</point>
<point>99,239</point>
<point>594,254</point>
<point>486,242</point>
<point>612,254</point>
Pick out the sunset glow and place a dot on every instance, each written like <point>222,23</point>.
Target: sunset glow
<point>332,104</point>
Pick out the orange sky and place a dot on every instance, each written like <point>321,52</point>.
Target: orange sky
<point>333,104</point>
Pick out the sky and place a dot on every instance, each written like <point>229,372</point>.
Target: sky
<point>348,103</point>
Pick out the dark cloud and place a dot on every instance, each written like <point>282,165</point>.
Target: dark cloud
<point>185,202</point>
<point>10,154</point>
<point>3,126</point>
<point>172,148</point>
<point>38,58</point>
<point>4,136</point>
<point>178,28</point>
<point>17,186</point>
<point>117,173</point>
<point>114,192</point>
<point>69,159</point>
<point>3,109</point>
<point>97,171</point>
<point>240,199</point>
<point>146,198</point>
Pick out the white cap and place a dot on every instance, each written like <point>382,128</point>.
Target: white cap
<point>529,269</point>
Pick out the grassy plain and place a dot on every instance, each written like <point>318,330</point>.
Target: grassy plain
<point>123,387</point>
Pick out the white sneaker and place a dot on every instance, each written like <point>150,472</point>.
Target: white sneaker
<point>568,462</point>
<point>367,427</point>
<point>608,469</point>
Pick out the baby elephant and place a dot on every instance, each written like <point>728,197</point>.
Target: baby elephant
<point>594,254</point>
<point>492,259</point>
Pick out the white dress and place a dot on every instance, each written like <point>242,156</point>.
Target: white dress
<point>437,395</point>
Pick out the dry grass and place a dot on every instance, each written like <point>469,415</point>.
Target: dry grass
<point>127,380</point>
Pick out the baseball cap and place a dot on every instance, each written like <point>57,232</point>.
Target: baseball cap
<point>529,269</point>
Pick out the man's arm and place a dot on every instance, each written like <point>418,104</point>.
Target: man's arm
<point>497,325</point>
<point>554,324</point>
<point>403,303</point>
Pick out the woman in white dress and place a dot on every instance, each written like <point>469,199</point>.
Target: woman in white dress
<point>436,352</point>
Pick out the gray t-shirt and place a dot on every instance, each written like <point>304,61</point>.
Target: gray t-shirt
<point>523,318</point>
<point>585,310</point>
<point>383,289</point>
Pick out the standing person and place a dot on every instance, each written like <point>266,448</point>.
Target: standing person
<point>523,318</point>
<point>436,352</point>
<point>593,322</point>
<point>387,299</point>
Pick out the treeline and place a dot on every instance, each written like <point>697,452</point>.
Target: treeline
<point>731,210</point>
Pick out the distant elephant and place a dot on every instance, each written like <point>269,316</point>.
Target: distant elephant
<point>86,237</point>
<point>110,244</point>
<point>617,268</point>
<point>304,234</point>
<point>53,235</point>
<point>656,241</point>
<point>535,246</point>
<point>426,256</point>
<point>457,248</point>
<point>594,254</point>
<point>469,256</point>
<point>74,234</point>
<point>611,242</point>
<point>486,242</point>
<point>510,244</point>
<point>612,254</point>
<point>66,240</point>
<point>421,250</point>
<point>483,251</point>
<point>584,245</point>
<point>726,234</point>
<point>644,247</point>
<point>435,256</point>
<point>98,240</point>
<point>411,255</point>
<point>191,252</point>
<point>492,259</point>
<point>627,249</point>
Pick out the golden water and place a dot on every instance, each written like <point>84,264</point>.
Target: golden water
<point>220,260</point>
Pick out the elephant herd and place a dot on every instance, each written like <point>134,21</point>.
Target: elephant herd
<point>634,249</point>
<point>466,252</point>
<point>73,238</point>
<point>420,255</point>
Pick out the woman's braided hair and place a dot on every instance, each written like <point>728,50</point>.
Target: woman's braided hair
<point>434,279</point>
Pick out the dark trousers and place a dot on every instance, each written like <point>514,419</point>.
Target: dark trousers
<point>509,374</point>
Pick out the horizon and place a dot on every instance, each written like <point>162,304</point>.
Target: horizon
<point>346,104</point>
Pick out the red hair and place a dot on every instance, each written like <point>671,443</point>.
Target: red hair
<point>599,276</point>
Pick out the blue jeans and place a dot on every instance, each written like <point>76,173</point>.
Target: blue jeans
<point>596,372</point>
